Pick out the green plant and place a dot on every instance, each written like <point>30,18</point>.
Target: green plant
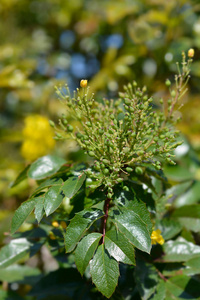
<point>110,216</point>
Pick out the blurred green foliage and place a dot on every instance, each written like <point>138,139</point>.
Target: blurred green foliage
<point>110,43</point>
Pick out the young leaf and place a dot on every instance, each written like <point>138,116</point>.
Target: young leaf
<point>21,214</point>
<point>78,226</point>
<point>45,166</point>
<point>119,247</point>
<point>14,251</point>
<point>39,208</point>
<point>133,227</point>
<point>104,271</point>
<point>53,199</point>
<point>47,183</point>
<point>21,176</point>
<point>85,250</point>
<point>72,185</point>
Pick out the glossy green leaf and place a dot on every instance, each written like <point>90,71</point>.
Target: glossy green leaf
<point>15,273</point>
<point>14,251</point>
<point>46,184</point>
<point>21,176</point>
<point>119,247</point>
<point>131,202</point>
<point>72,185</point>
<point>45,167</point>
<point>79,225</point>
<point>39,208</point>
<point>53,199</point>
<point>21,214</point>
<point>133,227</point>
<point>146,277</point>
<point>85,250</point>
<point>183,287</point>
<point>104,271</point>
<point>180,250</point>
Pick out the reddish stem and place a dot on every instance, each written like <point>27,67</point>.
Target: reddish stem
<point>106,208</point>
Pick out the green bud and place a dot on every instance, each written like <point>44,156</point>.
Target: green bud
<point>134,83</point>
<point>125,188</point>
<point>173,93</point>
<point>119,180</point>
<point>88,124</point>
<point>127,101</point>
<point>79,135</point>
<point>109,195</point>
<point>51,123</point>
<point>129,170</point>
<point>59,135</point>
<point>70,128</point>
<point>65,122</point>
<point>161,101</point>
<point>168,82</point>
<point>91,153</point>
<point>106,161</point>
<point>138,170</point>
<point>101,131</point>
<point>106,171</point>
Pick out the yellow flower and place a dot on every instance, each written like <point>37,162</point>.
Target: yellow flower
<point>38,137</point>
<point>191,52</point>
<point>55,224</point>
<point>83,83</point>
<point>156,237</point>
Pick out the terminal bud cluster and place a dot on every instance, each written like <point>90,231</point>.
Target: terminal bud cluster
<point>124,135</point>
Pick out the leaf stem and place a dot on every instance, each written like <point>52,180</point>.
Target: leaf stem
<point>104,220</point>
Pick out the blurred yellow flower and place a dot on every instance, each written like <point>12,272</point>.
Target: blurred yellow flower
<point>156,237</point>
<point>55,224</point>
<point>38,137</point>
<point>191,52</point>
<point>83,83</point>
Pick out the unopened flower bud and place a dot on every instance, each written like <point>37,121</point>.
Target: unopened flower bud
<point>70,128</point>
<point>191,52</point>
<point>125,188</point>
<point>51,123</point>
<point>168,82</point>
<point>119,180</point>
<point>83,83</point>
<point>91,153</point>
<point>129,170</point>
<point>138,171</point>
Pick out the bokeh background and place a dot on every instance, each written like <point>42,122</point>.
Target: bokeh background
<point>47,42</point>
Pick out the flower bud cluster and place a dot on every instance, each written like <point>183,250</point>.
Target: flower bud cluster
<point>123,135</point>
